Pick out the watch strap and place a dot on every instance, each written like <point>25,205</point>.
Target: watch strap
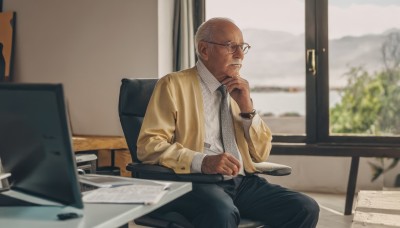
<point>248,115</point>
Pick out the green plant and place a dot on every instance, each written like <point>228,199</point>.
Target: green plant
<point>370,102</point>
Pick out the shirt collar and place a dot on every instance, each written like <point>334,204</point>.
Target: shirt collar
<point>205,75</point>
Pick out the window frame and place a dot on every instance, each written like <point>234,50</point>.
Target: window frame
<point>317,89</point>
<point>319,131</point>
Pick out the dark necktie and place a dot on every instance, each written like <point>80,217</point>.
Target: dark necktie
<point>226,125</point>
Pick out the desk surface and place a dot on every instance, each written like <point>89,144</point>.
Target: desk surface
<point>84,143</point>
<point>95,215</point>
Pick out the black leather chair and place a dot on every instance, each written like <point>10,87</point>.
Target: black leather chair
<point>133,99</point>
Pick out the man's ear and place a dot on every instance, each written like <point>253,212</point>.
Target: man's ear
<point>203,50</point>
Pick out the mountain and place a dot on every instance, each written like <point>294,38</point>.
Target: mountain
<point>277,58</point>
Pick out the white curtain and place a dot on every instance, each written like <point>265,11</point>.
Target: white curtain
<point>188,16</point>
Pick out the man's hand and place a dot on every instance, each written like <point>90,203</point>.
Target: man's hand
<point>239,90</point>
<point>225,164</point>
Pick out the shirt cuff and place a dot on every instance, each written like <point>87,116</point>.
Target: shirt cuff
<point>196,162</point>
<point>248,122</point>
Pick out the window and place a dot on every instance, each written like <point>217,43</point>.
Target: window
<point>318,78</point>
<point>274,65</point>
<point>364,58</point>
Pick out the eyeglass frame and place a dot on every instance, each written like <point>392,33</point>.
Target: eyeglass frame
<point>230,45</point>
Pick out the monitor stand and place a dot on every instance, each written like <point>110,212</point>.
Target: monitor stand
<point>7,201</point>
<point>12,198</point>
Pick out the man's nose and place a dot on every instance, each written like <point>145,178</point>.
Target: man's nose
<point>238,53</point>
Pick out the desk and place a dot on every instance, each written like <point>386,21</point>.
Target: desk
<point>95,215</point>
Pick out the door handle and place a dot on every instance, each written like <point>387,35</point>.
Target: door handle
<point>311,61</point>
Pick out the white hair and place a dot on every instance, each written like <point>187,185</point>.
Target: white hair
<point>205,31</point>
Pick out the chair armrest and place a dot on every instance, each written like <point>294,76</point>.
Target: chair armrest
<point>157,172</point>
<point>272,169</point>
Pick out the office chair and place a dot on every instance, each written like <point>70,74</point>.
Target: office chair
<point>133,99</point>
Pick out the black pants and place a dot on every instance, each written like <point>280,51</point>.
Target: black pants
<point>222,205</point>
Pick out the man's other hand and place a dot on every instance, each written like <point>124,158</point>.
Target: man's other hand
<point>225,164</point>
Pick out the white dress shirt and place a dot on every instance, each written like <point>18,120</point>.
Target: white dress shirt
<point>212,101</point>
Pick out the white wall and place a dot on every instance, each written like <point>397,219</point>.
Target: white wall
<point>165,33</point>
<point>89,46</point>
<point>324,174</point>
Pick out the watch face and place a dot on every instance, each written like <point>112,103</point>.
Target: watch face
<point>248,115</point>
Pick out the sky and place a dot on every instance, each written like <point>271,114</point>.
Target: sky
<point>346,17</point>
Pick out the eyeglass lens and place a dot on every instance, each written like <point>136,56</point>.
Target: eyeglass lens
<point>234,47</point>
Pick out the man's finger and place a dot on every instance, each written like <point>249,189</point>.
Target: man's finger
<point>233,159</point>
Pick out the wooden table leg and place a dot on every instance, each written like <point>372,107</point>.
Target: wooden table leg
<point>351,185</point>
<point>112,158</point>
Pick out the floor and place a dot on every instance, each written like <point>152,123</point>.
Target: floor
<point>331,211</point>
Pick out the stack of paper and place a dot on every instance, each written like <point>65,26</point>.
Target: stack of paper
<point>145,194</point>
<point>106,181</point>
<point>115,189</point>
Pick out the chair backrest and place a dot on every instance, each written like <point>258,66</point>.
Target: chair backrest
<point>134,95</point>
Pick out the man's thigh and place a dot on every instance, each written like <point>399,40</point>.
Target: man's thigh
<point>204,199</point>
<point>274,205</point>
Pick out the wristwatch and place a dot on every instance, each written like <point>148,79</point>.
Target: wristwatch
<point>248,115</point>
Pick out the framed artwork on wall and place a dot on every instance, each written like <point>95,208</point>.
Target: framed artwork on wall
<point>7,31</point>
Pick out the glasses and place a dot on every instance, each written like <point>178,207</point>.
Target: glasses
<point>233,47</point>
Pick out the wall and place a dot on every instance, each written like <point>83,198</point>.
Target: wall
<point>324,174</point>
<point>89,46</point>
<point>165,36</point>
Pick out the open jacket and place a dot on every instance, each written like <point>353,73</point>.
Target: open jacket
<point>173,127</point>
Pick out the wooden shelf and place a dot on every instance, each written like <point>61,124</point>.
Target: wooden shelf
<point>89,142</point>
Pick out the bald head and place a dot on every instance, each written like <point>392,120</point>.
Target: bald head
<point>211,28</point>
<point>214,41</point>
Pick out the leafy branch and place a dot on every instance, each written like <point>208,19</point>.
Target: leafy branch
<point>370,101</point>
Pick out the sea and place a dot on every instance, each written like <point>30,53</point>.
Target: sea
<point>279,103</point>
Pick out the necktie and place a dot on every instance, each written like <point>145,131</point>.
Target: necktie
<point>226,125</point>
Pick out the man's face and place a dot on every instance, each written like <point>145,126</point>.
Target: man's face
<point>218,60</point>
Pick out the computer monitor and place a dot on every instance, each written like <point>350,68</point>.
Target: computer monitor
<point>35,143</point>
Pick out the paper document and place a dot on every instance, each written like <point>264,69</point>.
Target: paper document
<point>145,194</point>
<point>106,181</point>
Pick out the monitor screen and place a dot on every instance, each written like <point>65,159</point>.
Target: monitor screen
<point>35,142</point>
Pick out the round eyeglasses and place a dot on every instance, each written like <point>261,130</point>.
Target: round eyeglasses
<point>233,47</point>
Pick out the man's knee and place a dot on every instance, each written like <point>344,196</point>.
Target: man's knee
<point>308,211</point>
<point>225,213</point>
<point>218,216</point>
<point>306,204</point>
<point>311,207</point>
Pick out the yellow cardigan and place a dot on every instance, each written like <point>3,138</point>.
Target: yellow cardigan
<point>173,127</point>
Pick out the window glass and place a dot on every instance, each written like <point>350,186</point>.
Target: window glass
<point>364,67</point>
<point>275,64</point>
